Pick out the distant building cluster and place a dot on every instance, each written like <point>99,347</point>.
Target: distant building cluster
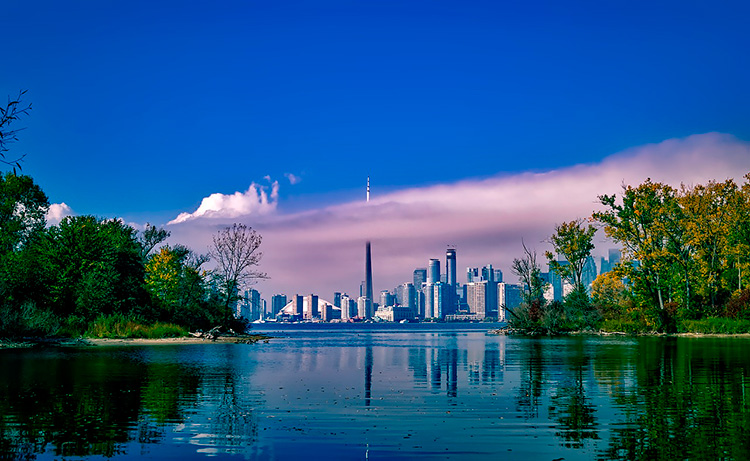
<point>433,294</point>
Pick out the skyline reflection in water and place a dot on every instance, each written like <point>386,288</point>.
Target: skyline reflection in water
<point>382,394</point>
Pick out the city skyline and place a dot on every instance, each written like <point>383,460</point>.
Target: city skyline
<point>440,295</point>
<point>482,124</point>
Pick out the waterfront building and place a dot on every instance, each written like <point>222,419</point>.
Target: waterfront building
<point>310,310</point>
<point>429,300</point>
<point>406,296</point>
<point>362,305</point>
<point>472,274</point>
<point>450,271</point>
<point>346,314</point>
<point>441,305</point>
<point>387,298</point>
<point>482,298</point>
<point>337,299</point>
<point>420,277</point>
<point>433,271</point>
<point>450,266</point>
<point>394,313</point>
<point>509,296</point>
<point>488,273</point>
<point>298,305</point>
<point>327,313</point>
<point>278,302</point>
<point>253,297</point>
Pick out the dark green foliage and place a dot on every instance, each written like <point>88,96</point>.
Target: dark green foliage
<point>93,267</point>
<point>23,206</point>
<point>27,321</point>
<point>574,313</point>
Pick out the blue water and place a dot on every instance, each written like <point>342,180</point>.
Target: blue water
<point>376,392</point>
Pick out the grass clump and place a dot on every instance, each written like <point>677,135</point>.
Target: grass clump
<point>624,326</point>
<point>715,325</point>
<point>119,326</point>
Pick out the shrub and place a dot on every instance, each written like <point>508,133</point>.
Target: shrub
<point>738,306</point>
<point>27,321</point>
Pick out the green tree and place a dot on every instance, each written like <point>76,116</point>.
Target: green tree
<point>150,237</point>
<point>574,241</point>
<point>23,207</point>
<point>708,224</point>
<point>634,223</point>
<point>177,284</point>
<point>93,267</point>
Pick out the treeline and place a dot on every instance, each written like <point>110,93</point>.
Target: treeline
<point>93,276</point>
<point>685,263</point>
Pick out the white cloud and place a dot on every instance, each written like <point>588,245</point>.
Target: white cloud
<point>57,212</point>
<point>292,178</point>
<point>255,201</point>
<point>322,250</point>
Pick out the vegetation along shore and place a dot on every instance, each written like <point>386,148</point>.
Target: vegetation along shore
<point>685,265</point>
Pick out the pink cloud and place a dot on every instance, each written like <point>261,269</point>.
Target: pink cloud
<point>322,250</point>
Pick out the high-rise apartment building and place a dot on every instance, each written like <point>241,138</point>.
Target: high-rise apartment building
<point>472,274</point>
<point>429,300</point>
<point>420,277</point>
<point>311,307</point>
<point>508,297</point>
<point>406,296</point>
<point>433,271</point>
<point>277,303</point>
<point>450,266</point>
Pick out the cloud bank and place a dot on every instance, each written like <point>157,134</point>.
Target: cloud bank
<point>322,250</point>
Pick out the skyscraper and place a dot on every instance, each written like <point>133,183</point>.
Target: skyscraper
<point>433,271</point>
<point>450,266</point>
<point>472,274</point>
<point>277,303</point>
<point>451,302</point>
<point>420,277</point>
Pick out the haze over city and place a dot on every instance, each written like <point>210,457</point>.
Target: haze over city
<point>479,124</point>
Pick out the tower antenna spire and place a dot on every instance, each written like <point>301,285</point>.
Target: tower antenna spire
<point>368,188</point>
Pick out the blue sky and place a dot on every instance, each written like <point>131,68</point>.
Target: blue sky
<point>143,109</point>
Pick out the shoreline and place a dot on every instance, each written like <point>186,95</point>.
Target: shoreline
<point>28,343</point>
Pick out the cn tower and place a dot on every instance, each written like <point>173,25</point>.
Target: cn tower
<point>369,311</point>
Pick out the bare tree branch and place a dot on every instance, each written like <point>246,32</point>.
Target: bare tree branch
<point>236,253</point>
<point>12,111</point>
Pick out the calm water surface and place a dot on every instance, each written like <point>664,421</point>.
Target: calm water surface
<point>412,391</point>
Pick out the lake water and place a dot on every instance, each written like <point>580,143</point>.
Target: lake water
<point>401,392</point>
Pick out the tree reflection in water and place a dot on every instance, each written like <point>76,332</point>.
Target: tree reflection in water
<point>84,403</point>
<point>665,398</point>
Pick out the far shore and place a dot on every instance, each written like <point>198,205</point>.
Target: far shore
<point>83,342</point>
<point>510,331</point>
